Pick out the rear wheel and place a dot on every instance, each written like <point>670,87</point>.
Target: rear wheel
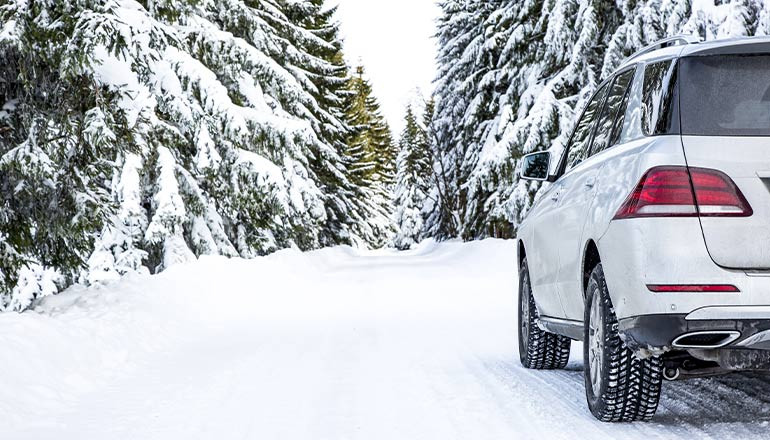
<point>619,386</point>
<point>538,349</point>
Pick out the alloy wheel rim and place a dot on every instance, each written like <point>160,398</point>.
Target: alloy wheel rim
<point>595,343</point>
<point>524,311</point>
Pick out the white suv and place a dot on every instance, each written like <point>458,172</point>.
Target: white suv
<point>652,243</point>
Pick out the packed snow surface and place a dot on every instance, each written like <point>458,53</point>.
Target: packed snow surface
<point>332,344</point>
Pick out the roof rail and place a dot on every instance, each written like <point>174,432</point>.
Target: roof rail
<point>670,41</point>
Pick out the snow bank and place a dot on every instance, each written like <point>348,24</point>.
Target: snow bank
<point>83,339</point>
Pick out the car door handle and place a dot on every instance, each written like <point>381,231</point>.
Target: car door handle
<point>555,196</point>
<point>590,183</point>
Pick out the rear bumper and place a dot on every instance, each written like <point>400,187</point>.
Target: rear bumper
<point>666,332</point>
<point>660,251</point>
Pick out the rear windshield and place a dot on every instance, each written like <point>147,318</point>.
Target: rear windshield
<point>725,95</point>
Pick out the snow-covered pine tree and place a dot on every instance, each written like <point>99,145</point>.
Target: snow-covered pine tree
<point>139,134</point>
<point>433,194</point>
<point>549,89</point>
<point>348,206</point>
<point>510,51</point>
<point>413,174</point>
<point>371,148</point>
<point>460,108</point>
<point>371,141</point>
<point>59,137</point>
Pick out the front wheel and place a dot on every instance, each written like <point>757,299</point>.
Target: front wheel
<point>620,387</point>
<point>538,349</point>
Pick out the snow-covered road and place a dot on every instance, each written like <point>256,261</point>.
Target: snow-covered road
<point>333,344</point>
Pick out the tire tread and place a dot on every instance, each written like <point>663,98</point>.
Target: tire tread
<point>544,350</point>
<point>633,385</point>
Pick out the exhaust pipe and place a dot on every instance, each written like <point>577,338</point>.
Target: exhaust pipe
<point>706,339</point>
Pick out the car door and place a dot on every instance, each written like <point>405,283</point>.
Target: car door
<point>546,218</point>
<point>579,186</point>
<point>543,255</point>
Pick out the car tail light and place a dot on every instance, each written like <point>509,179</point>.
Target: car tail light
<point>676,288</point>
<point>717,195</point>
<point>675,191</point>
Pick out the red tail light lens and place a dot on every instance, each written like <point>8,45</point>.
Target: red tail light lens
<point>717,195</point>
<point>678,192</point>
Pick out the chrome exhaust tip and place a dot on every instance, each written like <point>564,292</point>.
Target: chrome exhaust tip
<point>706,339</point>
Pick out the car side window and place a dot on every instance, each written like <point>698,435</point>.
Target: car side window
<point>620,119</point>
<point>660,98</point>
<point>581,138</point>
<point>615,104</point>
<point>631,121</point>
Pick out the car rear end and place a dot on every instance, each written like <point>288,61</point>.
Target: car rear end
<point>694,232</point>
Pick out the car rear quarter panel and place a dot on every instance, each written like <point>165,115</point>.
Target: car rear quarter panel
<point>624,166</point>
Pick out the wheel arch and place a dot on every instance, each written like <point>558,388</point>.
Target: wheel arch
<point>591,259</point>
<point>521,252</point>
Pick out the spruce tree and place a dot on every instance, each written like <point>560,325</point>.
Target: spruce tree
<point>373,155</point>
<point>59,137</point>
<point>412,183</point>
<point>346,204</point>
<point>427,144</point>
<point>462,90</point>
<point>371,142</point>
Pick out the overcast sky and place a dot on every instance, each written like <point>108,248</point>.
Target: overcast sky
<point>393,40</point>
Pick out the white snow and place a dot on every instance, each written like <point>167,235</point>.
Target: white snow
<point>9,31</point>
<point>115,72</point>
<point>166,224</point>
<point>34,280</point>
<point>332,344</point>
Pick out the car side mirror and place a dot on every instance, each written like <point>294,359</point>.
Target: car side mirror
<point>536,166</point>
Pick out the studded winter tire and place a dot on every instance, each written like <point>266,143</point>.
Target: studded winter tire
<point>538,349</point>
<point>620,387</point>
